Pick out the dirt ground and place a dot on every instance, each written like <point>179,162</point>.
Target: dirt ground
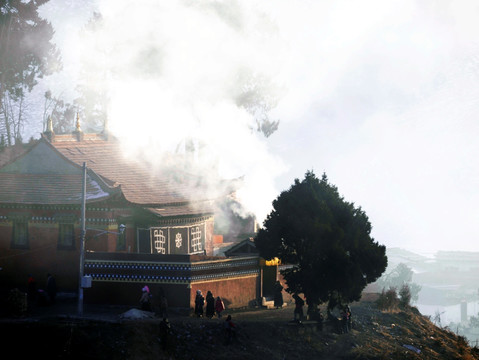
<point>105,333</point>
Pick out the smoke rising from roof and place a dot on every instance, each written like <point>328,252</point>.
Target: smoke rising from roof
<point>200,72</point>
<point>380,95</point>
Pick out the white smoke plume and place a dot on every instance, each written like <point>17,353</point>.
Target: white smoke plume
<point>179,70</point>
<point>381,95</point>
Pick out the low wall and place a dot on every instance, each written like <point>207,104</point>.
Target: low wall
<point>117,278</point>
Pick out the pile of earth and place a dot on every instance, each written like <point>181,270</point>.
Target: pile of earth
<point>261,334</point>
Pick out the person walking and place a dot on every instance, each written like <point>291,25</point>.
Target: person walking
<point>320,320</point>
<point>31,292</point>
<point>210,305</point>
<point>230,330</point>
<point>350,320</point>
<point>199,303</point>
<point>219,307</point>
<point>278,295</point>
<point>145,300</point>
<point>344,321</point>
<point>163,304</point>
<point>298,310</point>
<point>165,328</point>
<point>51,288</point>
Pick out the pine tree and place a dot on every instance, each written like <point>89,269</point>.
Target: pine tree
<point>326,239</point>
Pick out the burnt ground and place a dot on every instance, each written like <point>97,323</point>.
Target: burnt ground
<point>56,332</point>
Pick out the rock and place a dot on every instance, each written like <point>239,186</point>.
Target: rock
<point>133,314</point>
<point>413,348</point>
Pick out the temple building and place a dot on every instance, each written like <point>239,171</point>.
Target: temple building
<point>144,225</point>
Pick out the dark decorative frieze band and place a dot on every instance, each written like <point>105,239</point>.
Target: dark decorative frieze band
<point>92,264</point>
<point>53,207</point>
<point>140,278</point>
<point>170,273</point>
<point>182,221</point>
<point>223,265</point>
<point>225,275</point>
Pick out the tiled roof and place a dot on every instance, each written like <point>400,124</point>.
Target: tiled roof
<point>140,183</point>
<point>246,246</point>
<point>50,173</point>
<point>48,189</point>
<point>40,175</point>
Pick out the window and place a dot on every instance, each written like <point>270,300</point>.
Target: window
<point>66,236</point>
<point>20,233</point>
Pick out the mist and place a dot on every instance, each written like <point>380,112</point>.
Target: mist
<point>186,71</point>
<point>382,96</point>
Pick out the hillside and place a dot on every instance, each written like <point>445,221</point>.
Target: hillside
<point>262,334</point>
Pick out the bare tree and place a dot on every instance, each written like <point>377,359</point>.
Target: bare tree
<point>14,111</point>
<point>61,113</point>
<point>258,95</point>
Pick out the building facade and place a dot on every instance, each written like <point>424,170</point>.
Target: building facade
<point>143,225</point>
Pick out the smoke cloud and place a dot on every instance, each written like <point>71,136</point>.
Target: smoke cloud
<point>381,95</point>
<point>186,70</point>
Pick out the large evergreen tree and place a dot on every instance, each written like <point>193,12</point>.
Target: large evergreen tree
<point>326,239</point>
<point>26,54</point>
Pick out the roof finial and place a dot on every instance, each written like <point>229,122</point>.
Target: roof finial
<point>49,134</point>
<point>78,131</point>
<point>78,123</point>
<point>50,124</point>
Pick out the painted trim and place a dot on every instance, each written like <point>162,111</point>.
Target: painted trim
<point>223,279</point>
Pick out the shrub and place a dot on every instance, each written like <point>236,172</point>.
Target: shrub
<point>17,302</point>
<point>388,299</point>
<point>405,296</point>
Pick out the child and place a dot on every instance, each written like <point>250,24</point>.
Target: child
<point>219,306</point>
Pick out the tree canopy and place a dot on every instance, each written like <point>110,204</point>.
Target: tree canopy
<point>326,239</point>
<point>398,277</point>
<point>26,54</point>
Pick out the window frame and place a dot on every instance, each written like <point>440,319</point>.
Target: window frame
<point>16,223</point>
<point>65,233</point>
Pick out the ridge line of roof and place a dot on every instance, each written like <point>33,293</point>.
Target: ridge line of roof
<point>79,166</point>
<point>15,158</point>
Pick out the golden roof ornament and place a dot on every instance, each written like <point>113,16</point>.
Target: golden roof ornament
<point>78,123</point>
<point>50,124</point>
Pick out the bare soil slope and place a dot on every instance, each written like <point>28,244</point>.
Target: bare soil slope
<point>262,334</point>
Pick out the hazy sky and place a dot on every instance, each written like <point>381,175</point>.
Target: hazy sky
<point>383,96</point>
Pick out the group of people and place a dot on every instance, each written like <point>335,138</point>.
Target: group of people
<point>215,305</point>
<point>212,305</point>
<point>313,312</point>
<point>41,296</point>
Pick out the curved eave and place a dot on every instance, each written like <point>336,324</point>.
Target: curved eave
<point>181,211</point>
